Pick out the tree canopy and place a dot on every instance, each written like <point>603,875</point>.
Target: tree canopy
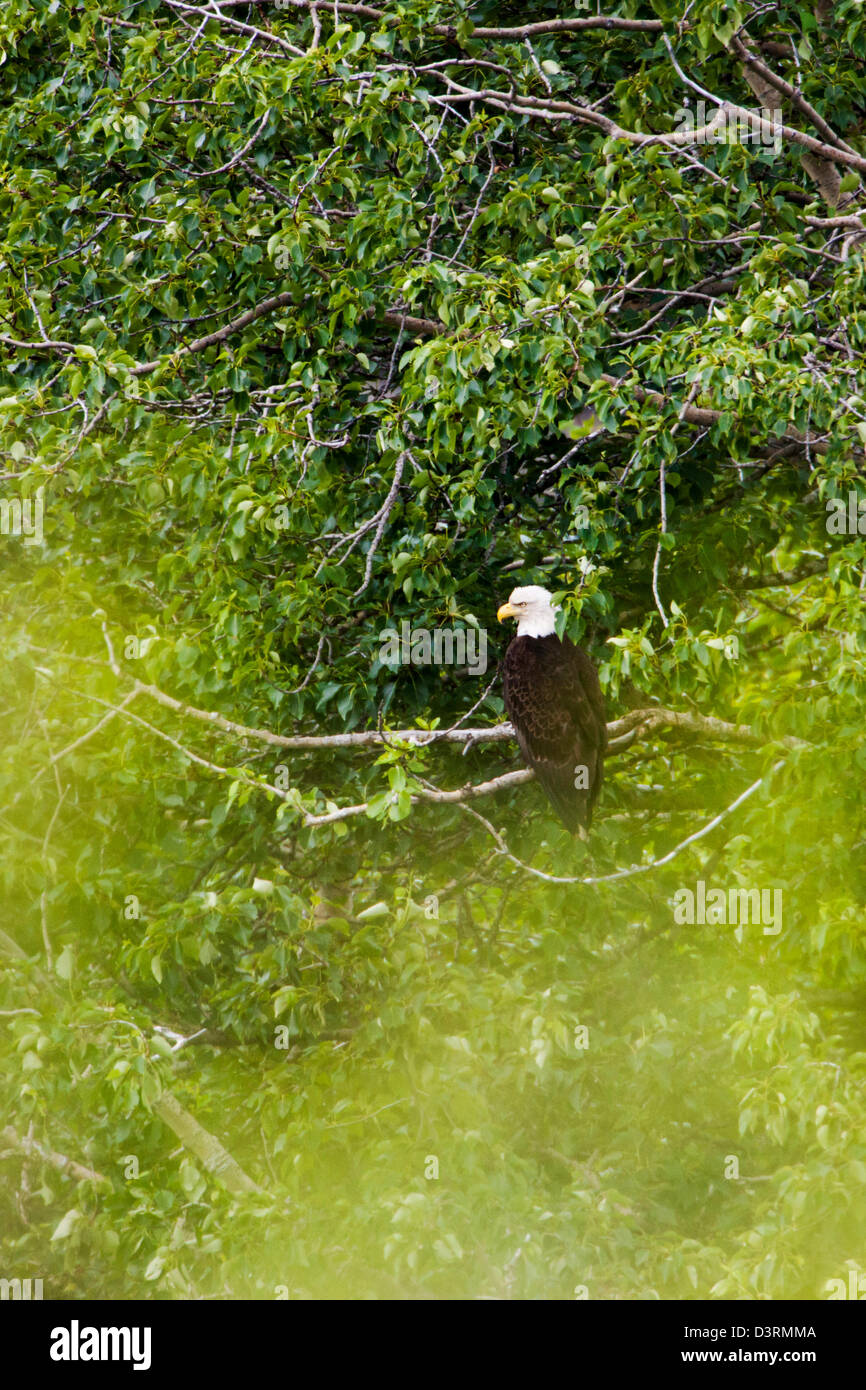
<point>326,322</point>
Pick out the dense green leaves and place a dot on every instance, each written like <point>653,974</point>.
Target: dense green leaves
<point>312,330</point>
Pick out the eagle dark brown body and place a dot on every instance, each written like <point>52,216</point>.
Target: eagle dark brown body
<point>554,701</point>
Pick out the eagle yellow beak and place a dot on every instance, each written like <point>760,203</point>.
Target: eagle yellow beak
<point>506,611</point>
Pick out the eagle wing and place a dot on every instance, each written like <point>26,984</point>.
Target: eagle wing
<point>555,703</point>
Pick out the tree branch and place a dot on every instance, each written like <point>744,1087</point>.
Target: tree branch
<point>449,31</point>
<point>642,720</point>
<point>206,1147</point>
<point>634,869</point>
<point>467,793</point>
<point>24,1144</point>
<point>785,89</point>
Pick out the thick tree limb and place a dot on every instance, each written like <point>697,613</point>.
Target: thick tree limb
<point>44,344</point>
<point>206,1147</point>
<point>449,31</point>
<point>622,733</point>
<point>785,89</point>
<point>425,328</point>
<point>642,719</point>
<point>771,90</point>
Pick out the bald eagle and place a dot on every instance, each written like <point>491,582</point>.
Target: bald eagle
<point>555,703</point>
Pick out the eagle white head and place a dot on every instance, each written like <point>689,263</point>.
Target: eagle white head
<point>533,608</point>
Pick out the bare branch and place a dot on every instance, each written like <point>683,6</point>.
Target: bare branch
<point>448,31</point>
<point>28,1146</point>
<point>382,518</point>
<point>85,737</point>
<point>235,159</point>
<point>266,306</point>
<point>467,793</point>
<point>641,719</point>
<point>213,10</point>
<point>590,880</point>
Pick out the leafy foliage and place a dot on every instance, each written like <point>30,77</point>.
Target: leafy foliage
<point>300,306</point>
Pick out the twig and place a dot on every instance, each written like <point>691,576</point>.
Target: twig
<point>382,518</point>
<point>236,159</point>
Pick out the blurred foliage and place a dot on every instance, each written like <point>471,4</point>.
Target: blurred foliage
<point>419,293</point>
